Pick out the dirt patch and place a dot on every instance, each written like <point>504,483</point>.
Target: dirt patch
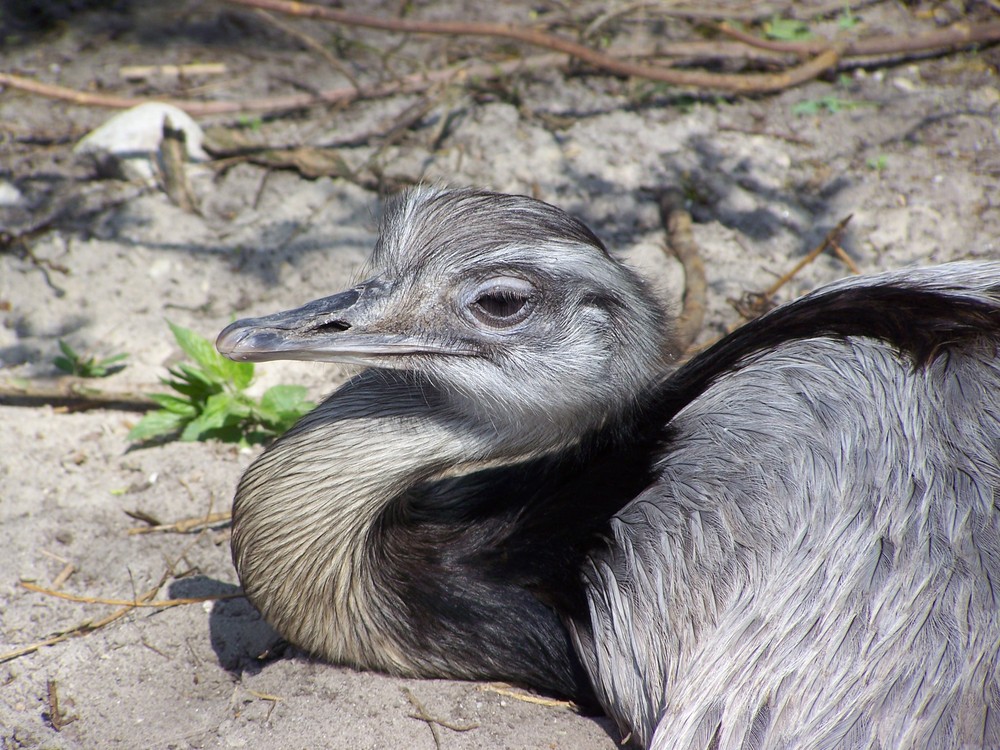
<point>912,151</point>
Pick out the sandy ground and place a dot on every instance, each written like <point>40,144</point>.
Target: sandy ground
<point>913,153</point>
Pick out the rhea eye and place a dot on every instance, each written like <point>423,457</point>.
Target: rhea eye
<point>502,306</point>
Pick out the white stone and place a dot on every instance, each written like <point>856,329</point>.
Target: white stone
<point>10,196</point>
<point>133,138</point>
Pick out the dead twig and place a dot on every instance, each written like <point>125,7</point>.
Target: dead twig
<point>73,396</point>
<point>83,628</point>
<point>526,697</point>
<point>185,525</point>
<point>264,696</point>
<point>831,240</point>
<point>273,700</point>
<point>57,719</point>
<point>63,576</point>
<point>680,241</point>
<point>739,83</point>
<point>824,55</point>
<point>957,35</point>
<point>407,85</point>
<point>142,72</point>
<point>173,157</point>
<point>131,603</point>
<point>432,722</point>
<point>311,43</point>
<point>754,304</point>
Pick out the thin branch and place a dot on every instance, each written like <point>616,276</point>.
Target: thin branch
<point>831,240</point>
<point>680,240</point>
<point>184,526</point>
<point>755,82</point>
<point>754,304</point>
<point>525,697</point>
<point>958,35</point>
<point>87,626</point>
<point>74,396</point>
<point>432,722</point>
<point>312,44</point>
<point>57,718</point>
<point>407,85</point>
<point>820,55</point>
<point>136,603</point>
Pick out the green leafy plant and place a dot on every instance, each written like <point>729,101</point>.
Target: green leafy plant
<point>847,19</point>
<point>829,104</point>
<point>252,123</point>
<point>877,163</point>
<point>786,29</point>
<point>210,401</point>
<point>74,363</point>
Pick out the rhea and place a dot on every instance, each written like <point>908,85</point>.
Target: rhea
<point>792,540</point>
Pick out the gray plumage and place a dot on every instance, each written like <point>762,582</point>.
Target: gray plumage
<point>791,541</point>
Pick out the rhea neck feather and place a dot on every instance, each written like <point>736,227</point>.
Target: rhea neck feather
<point>500,334</point>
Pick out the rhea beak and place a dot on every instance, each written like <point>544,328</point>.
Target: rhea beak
<point>346,327</point>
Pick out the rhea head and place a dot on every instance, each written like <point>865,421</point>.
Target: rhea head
<point>513,308</point>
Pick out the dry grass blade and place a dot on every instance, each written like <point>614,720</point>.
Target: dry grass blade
<point>87,626</point>
<point>132,603</point>
<point>63,576</point>
<point>526,697</point>
<point>264,696</point>
<point>185,525</point>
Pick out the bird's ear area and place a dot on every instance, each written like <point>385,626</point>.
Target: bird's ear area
<point>342,328</point>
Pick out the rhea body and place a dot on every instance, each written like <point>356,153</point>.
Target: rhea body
<point>792,540</point>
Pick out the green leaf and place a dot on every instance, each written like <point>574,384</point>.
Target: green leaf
<point>209,403</point>
<point>221,410</point>
<point>202,351</point>
<point>196,347</point>
<point>286,399</point>
<point>65,365</point>
<point>156,423</point>
<point>786,29</point>
<point>68,350</point>
<point>197,377</point>
<point>847,19</point>
<point>174,405</point>
<point>240,374</point>
<point>281,406</point>
<point>112,360</point>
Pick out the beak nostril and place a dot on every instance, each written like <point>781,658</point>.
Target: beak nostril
<point>330,326</point>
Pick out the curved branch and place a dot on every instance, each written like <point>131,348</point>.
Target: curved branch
<point>407,85</point>
<point>74,396</point>
<point>824,57</point>
<point>680,241</point>
<point>958,35</point>
<point>757,82</point>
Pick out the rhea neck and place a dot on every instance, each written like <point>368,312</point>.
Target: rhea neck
<point>374,533</point>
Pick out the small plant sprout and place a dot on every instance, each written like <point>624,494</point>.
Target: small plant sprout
<point>74,363</point>
<point>786,30</point>
<point>829,105</point>
<point>847,19</point>
<point>210,402</point>
<point>878,163</point>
